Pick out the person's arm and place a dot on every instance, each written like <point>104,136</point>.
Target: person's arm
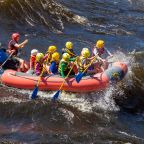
<point>95,52</point>
<point>32,61</point>
<point>21,45</point>
<point>72,59</point>
<point>46,58</point>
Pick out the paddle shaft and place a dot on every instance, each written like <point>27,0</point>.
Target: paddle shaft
<point>6,60</point>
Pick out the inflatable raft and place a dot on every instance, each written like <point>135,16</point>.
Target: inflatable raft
<point>96,82</point>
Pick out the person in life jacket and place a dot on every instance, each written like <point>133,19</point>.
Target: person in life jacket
<point>54,63</point>
<point>13,48</point>
<point>34,52</point>
<point>50,51</point>
<point>102,52</point>
<point>69,49</point>
<point>64,66</point>
<point>39,67</point>
<point>84,59</point>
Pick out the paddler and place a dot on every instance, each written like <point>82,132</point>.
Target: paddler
<point>54,63</point>
<point>65,66</point>
<point>13,48</point>
<point>102,52</point>
<point>39,67</point>
<point>84,61</point>
<point>50,51</point>
<point>69,49</point>
<point>34,52</point>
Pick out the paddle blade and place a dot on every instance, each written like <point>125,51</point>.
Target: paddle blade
<point>79,77</point>
<point>34,93</point>
<point>56,95</point>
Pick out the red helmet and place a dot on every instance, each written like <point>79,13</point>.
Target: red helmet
<point>15,36</point>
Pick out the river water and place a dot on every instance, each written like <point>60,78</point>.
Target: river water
<point>113,116</point>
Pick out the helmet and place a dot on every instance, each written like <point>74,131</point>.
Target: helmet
<point>69,45</point>
<point>15,36</point>
<point>100,44</point>
<point>55,56</point>
<point>52,48</point>
<point>85,53</point>
<point>34,52</point>
<point>39,56</point>
<point>85,49</point>
<point>66,56</point>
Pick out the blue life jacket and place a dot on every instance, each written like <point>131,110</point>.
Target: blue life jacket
<point>3,56</point>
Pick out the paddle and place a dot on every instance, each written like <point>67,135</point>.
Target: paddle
<point>56,95</point>
<point>81,74</point>
<point>36,89</point>
<point>6,60</point>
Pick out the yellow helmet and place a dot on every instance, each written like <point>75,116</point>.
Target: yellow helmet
<point>100,44</point>
<point>52,49</point>
<point>39,56</point>
<point>69,45</point>
<point>66,56</point>
<point>85,53</point>
<point>56,56</point>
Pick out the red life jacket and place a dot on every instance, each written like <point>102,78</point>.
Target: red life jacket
<point>12,47</point>
<point>33,60</point>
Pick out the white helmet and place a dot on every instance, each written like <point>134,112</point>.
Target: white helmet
<point>85,49</point>
<point>34,52</point>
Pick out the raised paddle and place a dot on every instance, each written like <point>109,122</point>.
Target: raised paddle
<point>81,74</point>
<point>56,95</point>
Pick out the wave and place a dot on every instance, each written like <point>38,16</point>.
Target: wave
<point>55,15</point>
<point>40,12</point>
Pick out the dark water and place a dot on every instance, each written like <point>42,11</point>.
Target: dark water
<point>115,116</point>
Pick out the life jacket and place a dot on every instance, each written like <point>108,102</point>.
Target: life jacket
<point>3,56</point>
<point>33,60</point>
<point>40,68</point>
<point>81,65</point>
<point>63,61</point>
<point>48,60</point>
<point>69,51</point>
<point>100,51</point>
<point>12,47</point>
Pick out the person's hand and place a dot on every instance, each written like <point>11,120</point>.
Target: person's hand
<point>111,56</point>
<point>66,79</point>
<point>26,40</point>
<point>12,51</point>
<point>103,60</point>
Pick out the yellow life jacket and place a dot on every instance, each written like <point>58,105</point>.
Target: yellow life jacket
<point>81,63</point>
<point>48,60</point>
<point>69,51</point>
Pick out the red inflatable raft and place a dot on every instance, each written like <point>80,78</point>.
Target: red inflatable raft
<point>115,72</point>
